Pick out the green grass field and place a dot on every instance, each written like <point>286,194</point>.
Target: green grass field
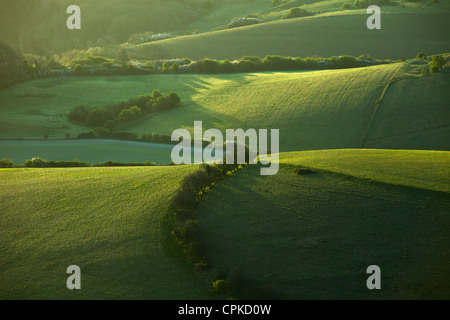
<point>313,236</point>
<point>313,110</point>
<point>297,102</point>
<point>414,114</point>
<point>112,222</point>
<point>412,168</point>
<point>92,151</point>
<point>404,32</point>
<point>376,137</point>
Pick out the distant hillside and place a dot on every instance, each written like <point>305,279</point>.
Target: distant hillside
<point>40,26</point>
<point>321,35</point>
<point>313,110</point>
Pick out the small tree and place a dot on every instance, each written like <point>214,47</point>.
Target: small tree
<point>109,124</point>
<point>174,99</point>
<point>421,55</point>
<point>437,63</point>
<point>347,5</point>
<point>156,94</point>
<point>122,57</point>
<point>98,117</point>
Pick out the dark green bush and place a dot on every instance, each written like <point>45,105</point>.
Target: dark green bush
<point>110,163</point>
<point>297,12</point>
<point>40,163</point>
<point>421,55</point>
<point>174,99</point>
<point>79,113</point>
<point>98,117</point>
<point>6,163</point>
<point>102,132</point>
<point>434,68</point>
<point>346,62</point>
<point>210,66</point>
<point>240,22</point>
<point>247,66</point>
<point>156,94</point>
<point>437,63</point>
<point>109,124</point>
<point>87,135</point>
<point>347,5</point>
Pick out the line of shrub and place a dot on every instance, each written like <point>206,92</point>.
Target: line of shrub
<point>297,12</point>
<point>193,188</point>
<point>110,163</point>
<point>240,22</point>
<point>104,133</point>
<point>207,65</point>
<point>278,63</point>
<point>40,163</point>
<point>188,235</point>
<point>366,3</point>
<point>124,111</point>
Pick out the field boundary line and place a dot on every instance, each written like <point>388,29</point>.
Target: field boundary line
<point>377,106</point>
<point>367,179</point>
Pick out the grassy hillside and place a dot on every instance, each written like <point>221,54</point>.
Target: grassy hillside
<point>313,110</point>
<point>111,222</point>
<point>301,104</point>
<point>413,113</point>
<point>26,25</point>
<point>313,236</point>
<point>413,168</point>
<point>403,33</point>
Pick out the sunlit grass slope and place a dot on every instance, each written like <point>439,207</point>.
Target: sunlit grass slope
<point>312,236</point>
<point>414,113</point>
<point>403,33</point>
<point>413,168</point>
<point>313,110</point>
<point>111,222</point>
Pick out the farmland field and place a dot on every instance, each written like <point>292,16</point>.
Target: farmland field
<point>321,35</point>
<point>314,109</point>
<point>364,149</point>
<point>322,230</point>
<point>112,222</point>
<point>92,151</point>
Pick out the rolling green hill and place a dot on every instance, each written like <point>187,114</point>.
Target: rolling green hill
<point>403,33</point>
<point>313,110</point>
<point>26,25</point>
<point>312,236</point>
<point>414,113</point>
<point>377,191</point>
<point>412,168</point>
<point>111,222</point>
